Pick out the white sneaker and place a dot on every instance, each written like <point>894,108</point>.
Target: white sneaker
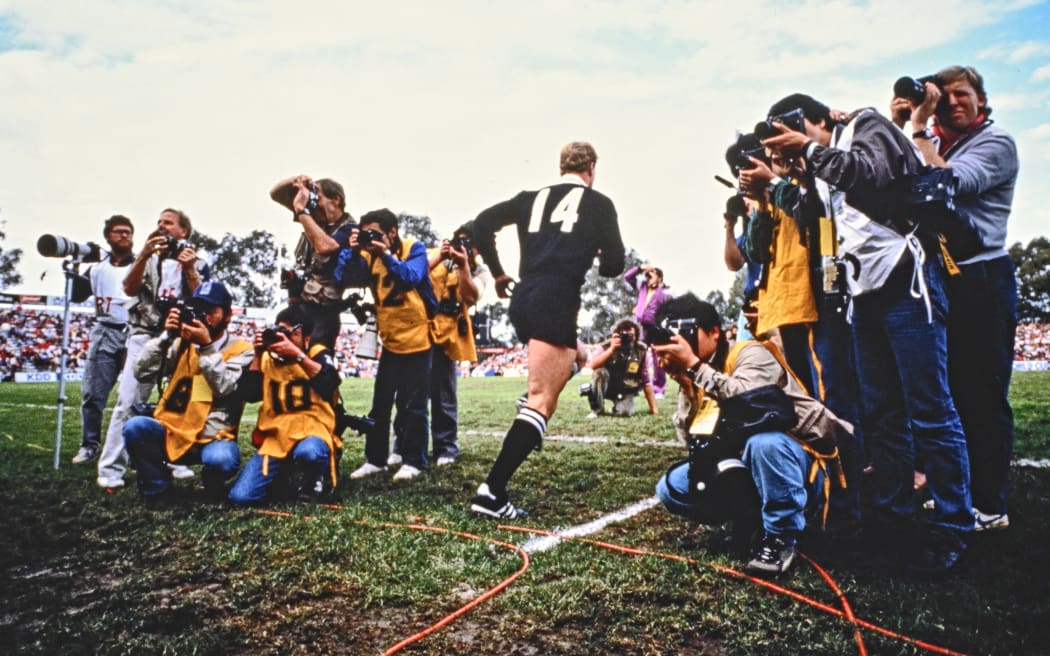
<point>593,415</point>
<point>110,482</point>
<point>406,473</point>
<point>445,460</point>
<point>180,471</point>
<point>85,454</point>
<point>983,522</point>
<point>394,460</point>
<point>929,504</point>
<point>365,470</point>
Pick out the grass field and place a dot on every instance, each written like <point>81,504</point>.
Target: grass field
<point>86,572</point>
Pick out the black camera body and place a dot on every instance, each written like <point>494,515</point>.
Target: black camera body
<point>293,280</point>
<point>173,246</point>
<point>360,424</point>
<point>367,237</point>
<point>661,333</point>
<point>914,89</point>
<point>187,313</point>
<point>626,342</point>
<point>738,154</point>
<point>450,307</point>
<point>794,120</point>
<point>462,244</point>
<point>270,336</point>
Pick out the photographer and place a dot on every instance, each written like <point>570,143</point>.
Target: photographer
<point>198,414</point>
<point>982,321</point>
<point>899,323</point>
<point>780,461</point>
<point>297,383</point>
<point>320,207</point>
<point>618,372</point>
<point>398,272</point>
<point>105,357</point>
<point>647,282</point>
<point>459,279</point>
<point>166,270</point>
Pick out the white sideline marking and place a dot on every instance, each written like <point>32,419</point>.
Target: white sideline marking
<point>1038,464</point>
<point>545,542</point>
<point>584,439</point>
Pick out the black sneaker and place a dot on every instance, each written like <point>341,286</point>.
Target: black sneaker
<point>486,503</point>
<point>773,557</point>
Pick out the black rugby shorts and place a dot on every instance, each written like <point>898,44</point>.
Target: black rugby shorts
<point>545,309</point>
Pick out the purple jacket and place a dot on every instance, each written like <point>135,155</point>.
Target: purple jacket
<point>645,314</point>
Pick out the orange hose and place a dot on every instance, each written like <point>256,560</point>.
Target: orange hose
<point>846,608</point>
<point>757,581</point>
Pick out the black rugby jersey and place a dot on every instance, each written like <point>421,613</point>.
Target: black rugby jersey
<point>560,229</point>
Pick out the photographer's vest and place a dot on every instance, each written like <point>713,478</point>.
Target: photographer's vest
<point>320,286</point>
<point>445,328</point>
<point>292,410</point>
<point>401,314</point>
<point>187,401</point>
<point>630,368</point>
<point>786,295</point>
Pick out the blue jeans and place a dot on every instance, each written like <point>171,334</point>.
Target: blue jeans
<point>145,438</point>
<point>981,327</point>
<point>105,359</point>
<point>906,407</point>
<point>252,486</point>
<point>779,466</point>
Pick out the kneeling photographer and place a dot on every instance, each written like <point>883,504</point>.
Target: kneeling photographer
<point>756,431</point>
<point>619,373</point>
<point>198,414</point>
<point>298,385</point>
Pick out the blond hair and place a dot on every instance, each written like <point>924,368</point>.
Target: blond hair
<point>577,157</point>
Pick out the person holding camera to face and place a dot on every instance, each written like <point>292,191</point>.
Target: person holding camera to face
<point>319,206</point>
<point>982,322</point>
<point>618,372</point>
<point>868,170</point>
<point>197,416</point>
<point>297,383</point>
<point>779,454</point>
<point>647,281</point>
<point>166,270</point>
<point>398,272</point>
<point>105,358</point>
<point>459,278</point>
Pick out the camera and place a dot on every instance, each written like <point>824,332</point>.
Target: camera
<point>626,342</point>
<point>270,336</point>
<point>738,154</point>
<point>293,280</point>
<point>366,237</point>
<point>55,246</point>
<point>450,307</point>
<point>662,332</point>
<point>914,89</point>
<point>462,244</point>
<point>360,424</point>
<point>312,198</point>
<point>735,208</point>
<point>794,120</point>
<point>173,246</point>
<point>187,312</point>
<point>361,311</point>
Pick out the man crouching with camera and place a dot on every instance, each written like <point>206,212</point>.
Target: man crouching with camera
<point>619,373</point>
<point>297,383</point>
<point>198,414</point>
<point>758,440</point>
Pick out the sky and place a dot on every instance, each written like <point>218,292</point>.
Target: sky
<point>445,108</point>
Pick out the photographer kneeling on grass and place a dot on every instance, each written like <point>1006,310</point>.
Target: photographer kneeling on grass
<point>619,373</point>
<point>297,383</point>
<point>754,422</point>
<point>198,414</point>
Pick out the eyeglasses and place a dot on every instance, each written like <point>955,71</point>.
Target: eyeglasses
<point>118,231</point>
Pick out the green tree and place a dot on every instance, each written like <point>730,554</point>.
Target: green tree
<point>606,301</point>
<point>418,227</point>
<point>729,307</point>
<point>1033,280</point>
<point>8,262</point>
<point>246,265</point>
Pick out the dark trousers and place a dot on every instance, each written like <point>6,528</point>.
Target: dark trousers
<point>326,323</point>
<point>982,320</point>
<point>404,379</point>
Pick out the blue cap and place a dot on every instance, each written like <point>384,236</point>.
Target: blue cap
<point>213,293</point>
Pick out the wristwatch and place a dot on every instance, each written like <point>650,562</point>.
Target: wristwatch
<point>299,360</point>
<point>693,371</point>
<point>924,133</point>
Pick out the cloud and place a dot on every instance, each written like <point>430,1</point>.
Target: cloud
<point>1041,74</point>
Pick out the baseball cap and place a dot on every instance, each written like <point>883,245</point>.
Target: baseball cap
<point>212,293</point>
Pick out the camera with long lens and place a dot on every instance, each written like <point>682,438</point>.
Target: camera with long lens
<point>795,120</point>
<point>661,333</point>
<point>367,237</point>
<point>360,424</point>
<point>914,89</point>
<point>56,246</point>
<point>173,246</point>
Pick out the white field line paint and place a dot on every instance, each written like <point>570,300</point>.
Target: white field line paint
<point>585,439</point>
<point>1038,464</point>
<point>545,542</point>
